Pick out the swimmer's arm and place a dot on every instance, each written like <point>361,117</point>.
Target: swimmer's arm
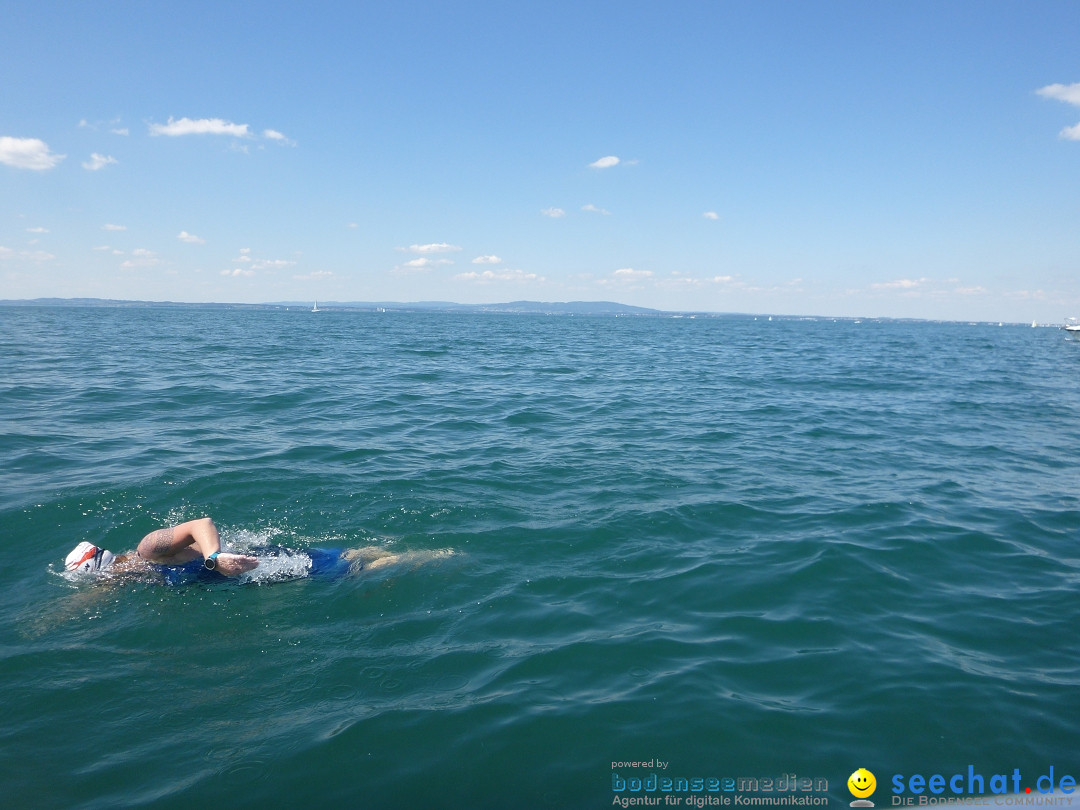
<point>188,541</point>
<point>233,565</point>
<point>204,536</point>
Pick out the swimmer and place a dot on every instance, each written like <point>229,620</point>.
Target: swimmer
<point>192,551</point>
<point>174,546</point>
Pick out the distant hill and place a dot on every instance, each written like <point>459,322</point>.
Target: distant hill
<point>518,307</point>
<point>573,308</point>
<point>609,308</point>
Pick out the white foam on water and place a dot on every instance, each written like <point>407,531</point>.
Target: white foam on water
<point>248,541</point>
<point>278,566</point>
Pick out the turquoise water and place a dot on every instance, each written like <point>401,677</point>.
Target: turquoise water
<point>745,548</point>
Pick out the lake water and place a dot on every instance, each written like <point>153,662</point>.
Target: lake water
<point>737,547</point>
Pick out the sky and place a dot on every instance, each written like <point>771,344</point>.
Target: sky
<point>869,158</point>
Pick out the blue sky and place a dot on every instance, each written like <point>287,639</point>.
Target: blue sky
<point>871,158</point>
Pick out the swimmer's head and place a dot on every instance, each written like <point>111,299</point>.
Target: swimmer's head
<point>88,558</point>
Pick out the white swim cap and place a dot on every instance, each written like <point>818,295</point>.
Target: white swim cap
<point>89,558</point>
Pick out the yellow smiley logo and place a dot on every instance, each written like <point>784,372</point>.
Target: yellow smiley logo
<point>861,783</point>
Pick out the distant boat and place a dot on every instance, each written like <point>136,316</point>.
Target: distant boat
<point>1072,325</point>
<point>316,307</point>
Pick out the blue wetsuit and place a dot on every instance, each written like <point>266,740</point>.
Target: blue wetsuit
<point>326,563</point>
<point>189,572</point>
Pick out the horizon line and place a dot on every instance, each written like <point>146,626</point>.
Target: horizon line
<point>434,306</point>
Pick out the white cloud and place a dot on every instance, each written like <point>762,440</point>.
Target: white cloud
<point>190,238</point>
<point>98,162</point>
<point>114,126</point>
<point>317,275</point>
<point>626,275</point>
<point>435,247</point>
<point>554,213</point>
<point>899,284</point>
<point>424,262</point>
<point>238,272</point>
<point>102,247</point>
<point>489,276</point>
<point>630,274</point>
<point>604,162</point>
<point>1070,133</point>
<point>200,126</point>
<point>595,210</point>
<point>255,263</point>
<point>679,281</point>
<point>487,260</point>
<point>274,135</point>
<point>27,255</point>
<point>1069,93</point>
<point>114,227</point>
<point>143,258</point>
<point>352,226</point>
<point>28,153</point>
<point>38,229</point>
<point>711,215</point>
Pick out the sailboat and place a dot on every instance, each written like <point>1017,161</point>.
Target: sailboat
<point>316,307</point>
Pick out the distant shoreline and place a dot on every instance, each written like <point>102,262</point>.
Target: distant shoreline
<point>522,307</point>
<point>593,308</point>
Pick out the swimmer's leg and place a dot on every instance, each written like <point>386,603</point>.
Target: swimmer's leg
<point>366,554</point>
<point>371,558</point>
<point>366,557</point>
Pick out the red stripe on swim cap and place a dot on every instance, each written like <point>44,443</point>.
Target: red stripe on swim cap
<point>87,556</point>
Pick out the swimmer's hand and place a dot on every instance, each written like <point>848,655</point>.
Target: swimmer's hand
<point>233,565</point>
